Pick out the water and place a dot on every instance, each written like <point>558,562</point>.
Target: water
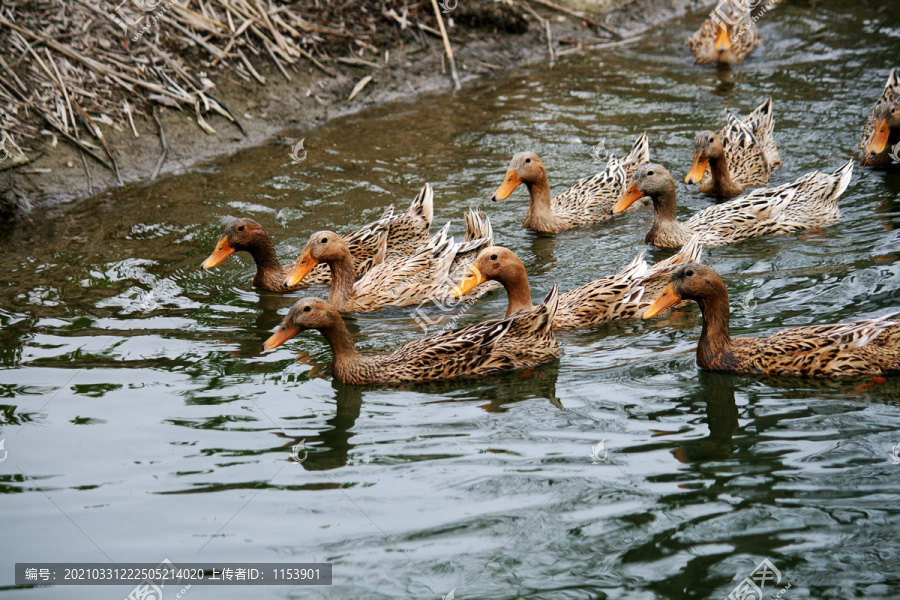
<point>142,421</point>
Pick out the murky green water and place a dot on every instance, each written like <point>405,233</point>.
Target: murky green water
<point>142,422</point>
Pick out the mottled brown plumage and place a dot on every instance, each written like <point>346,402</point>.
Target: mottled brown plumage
<point>388,237</point>
<point>429,274</point>
<point>807,202</point>
<point>727,39</point>
<point>624,295</point>
<point>860,348</point>
<point>590,200</point>
<point>521,341</point>
<point>741,155</point>
<point>881,133</point>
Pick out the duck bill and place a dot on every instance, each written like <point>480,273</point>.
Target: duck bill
<point>627,199</point>
<point>223,250</point>
<point>666,299</point>
<point>698,169</point>
<point>879,138</point>
<point>473,279</point>
<point>510,182</point>
<point>305,264</point>
<point>284,333</point>
<point>723,38</point>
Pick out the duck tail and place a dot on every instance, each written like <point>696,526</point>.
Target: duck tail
<point>422,207</point>
<point>844,174</point>
<point>546,312</point>
<point>689,253</point>
<point>639,154</point>
<point>893,83</point>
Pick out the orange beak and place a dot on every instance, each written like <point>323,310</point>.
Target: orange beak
<point>627,199</point>
<point>879,138</point>
<point>305,264</point>
<point>723,38</point>
<point>284,333</point>
<point>473,279</point>
<point>666,299</point>
<point>510,182</point>
<point>223,250</point>
<point>698,169</point>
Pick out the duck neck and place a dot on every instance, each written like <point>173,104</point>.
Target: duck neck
<point>539,209</point>
<point>722,184</point>
<point>342,275</point>
<point>263,253</point>
<point>345,355</point>
<point>714,351</point>
<point>517,290</point>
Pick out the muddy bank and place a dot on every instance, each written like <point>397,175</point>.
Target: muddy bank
<point>404,71</point>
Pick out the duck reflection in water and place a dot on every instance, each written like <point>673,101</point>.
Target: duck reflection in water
<point>717,390</point>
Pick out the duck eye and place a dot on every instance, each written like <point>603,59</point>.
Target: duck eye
<point>689,273</point>
<point>710,140</point>
<point>649,172</point>
<point>307,308</point>
<point>493,257</point>
<point>528,160</point>
<point>324,240</point>
<point>241,228</point>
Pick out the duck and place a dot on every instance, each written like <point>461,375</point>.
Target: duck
<point>808,202</point>
<point>588,201</point>
<point>388,237</point>
<point>624,295</point>
<point>741,155</point>
<point>728,36</point>
<point>524,340</point>
<point>429,274</point>
<point>881,134</point>
<point>855,349</point>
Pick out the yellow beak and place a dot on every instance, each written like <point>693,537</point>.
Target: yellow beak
<point>628,198</point>
<point>223,250</point>
<point>305,264</point>
<point>879,138</point>
<point>510,182</point>
<point>698,169</point>
<point>723,38</point>
<point>666,299</point>
<point>473,279</point>
<point>284,333</point>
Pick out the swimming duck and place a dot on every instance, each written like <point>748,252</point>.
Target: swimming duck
<point>881,133</point>
<point>808,202</point>
<point>741,155</point>
<point>869,347</point>
<point>727,37</point>
<point>588,201</point>
<point>622,296</point>
<point>388,237</point>
<point>428,274</point>
<point>521,341</point>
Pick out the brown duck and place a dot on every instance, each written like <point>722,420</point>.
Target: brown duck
<point>428,274</point>
<point>588,201</point>
<point>624,295</point>
<point>386,238</point>
<point>860,348</point>
<point>518,342</point>
<point>741,155</point>
<point>808,202</point>
<point>727,39</point>
<point>881,134</point>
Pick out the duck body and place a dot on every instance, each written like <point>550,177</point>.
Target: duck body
<point>861,348</point>
<point>742,154</point>
<point>521,341</point>
<point>388,237</point>
<point>728,39</point>
<point>428,274</point>
<point>589,200</point>
<point>808,202</point>
<point>881,133</point>
<point>624,295</point>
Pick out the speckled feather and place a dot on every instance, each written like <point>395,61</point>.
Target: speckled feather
<point>523,340</point>
<point>703,42</point>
